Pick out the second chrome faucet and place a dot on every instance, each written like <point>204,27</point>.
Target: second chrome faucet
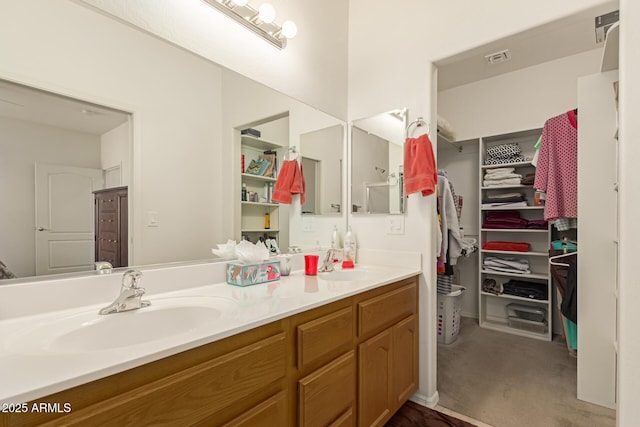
<point>130,297</point>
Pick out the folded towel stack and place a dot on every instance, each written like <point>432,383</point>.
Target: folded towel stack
<point>528,179</point>
<point>526,289</point>
<point>511,220</point>
<point>504,154</point>
<point>515,200</point>
<point>506,265</point>
<point>506,246</point>
<point>501,177</point>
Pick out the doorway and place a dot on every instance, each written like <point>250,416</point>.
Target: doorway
<point>481,99</point>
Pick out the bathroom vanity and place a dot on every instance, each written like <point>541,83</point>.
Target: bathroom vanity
<point>336,349</point>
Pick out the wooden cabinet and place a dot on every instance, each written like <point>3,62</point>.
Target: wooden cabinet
<point>388,361</point>
<point>112,226</point>
<point>351,362</point>
<point>328,393</point>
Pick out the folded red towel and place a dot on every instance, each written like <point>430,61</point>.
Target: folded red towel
<point>507,246</point>
<point>420,172</point>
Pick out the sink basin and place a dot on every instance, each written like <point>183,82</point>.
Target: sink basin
<point>89,331</point>
<point>345,275</point>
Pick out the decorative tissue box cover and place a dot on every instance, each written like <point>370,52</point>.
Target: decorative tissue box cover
<point>252,274</point>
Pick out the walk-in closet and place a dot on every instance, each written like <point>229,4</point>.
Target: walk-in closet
<point>527,152</point>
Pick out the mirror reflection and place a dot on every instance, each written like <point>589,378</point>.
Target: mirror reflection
<point>321,158</point>
<point>377,165</point>
<point>61,156</point>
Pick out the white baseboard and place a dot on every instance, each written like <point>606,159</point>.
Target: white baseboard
<point>429,402</point>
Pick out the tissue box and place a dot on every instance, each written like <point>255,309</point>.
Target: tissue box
<point>252,274</point>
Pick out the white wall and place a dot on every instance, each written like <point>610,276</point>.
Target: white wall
<point>174,97</point>
<point>392,69</point>
<point>23,144</point>
<point>523,99</point>
<point>312,68</point>
<point>116,151</point>
<point>629,173</point>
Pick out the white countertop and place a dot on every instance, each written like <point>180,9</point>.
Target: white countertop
<point>31,369</point>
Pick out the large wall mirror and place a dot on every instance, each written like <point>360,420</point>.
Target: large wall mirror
<point>176,150</point>
<point>377,163</point>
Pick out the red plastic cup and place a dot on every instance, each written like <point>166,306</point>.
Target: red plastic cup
<point>311,265</point>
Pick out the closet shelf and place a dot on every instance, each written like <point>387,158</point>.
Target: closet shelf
<point>507,165</point>
<point>259,204</point>
<point>502,187</point>
<point>517,298</point>
<point>513,230</point>
<point>258,177</point>
<point>544,254</point>
<point>520,276</point>
<point>504,327</point>
<point>259,230</point>
<point>507,208</point>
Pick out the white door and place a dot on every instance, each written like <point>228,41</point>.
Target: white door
<point>64,218</point>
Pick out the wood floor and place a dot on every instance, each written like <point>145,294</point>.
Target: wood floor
<point>414,415</point>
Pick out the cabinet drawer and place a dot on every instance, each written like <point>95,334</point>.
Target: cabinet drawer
<point>328,393</point>
<point>107,203</point>
<point>108,222</point>
<point>271,412</point>
<point>196,393</point>
<point>322,338</point>
<point>378,313</point>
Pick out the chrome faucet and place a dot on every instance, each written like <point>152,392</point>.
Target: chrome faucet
<point>130,294</point>
<point>103,267</point>
<point>327,263</point>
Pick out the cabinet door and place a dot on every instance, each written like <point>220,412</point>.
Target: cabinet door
<point>326,395</point>
<point>405,360</point>
<point>374,393</point>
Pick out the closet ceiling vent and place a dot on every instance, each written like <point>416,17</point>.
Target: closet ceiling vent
<point>497,57</point>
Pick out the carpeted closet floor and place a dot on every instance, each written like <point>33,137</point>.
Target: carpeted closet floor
<point>509,381</point>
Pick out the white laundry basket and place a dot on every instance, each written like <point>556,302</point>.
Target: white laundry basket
<point>449,307</point>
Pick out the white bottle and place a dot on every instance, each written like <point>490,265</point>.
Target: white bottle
<point>335,238</point>
<point>350,247</point>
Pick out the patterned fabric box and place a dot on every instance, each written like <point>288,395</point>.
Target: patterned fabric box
<point>253,274</point>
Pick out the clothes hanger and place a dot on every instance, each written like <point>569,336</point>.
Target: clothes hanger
<point>562,264</point>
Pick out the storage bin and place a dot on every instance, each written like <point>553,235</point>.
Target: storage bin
<point>527,325</point>
<point>449,308</point>
<point>527,312</point>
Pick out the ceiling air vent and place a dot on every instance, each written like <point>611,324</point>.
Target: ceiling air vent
<point>495,58</point>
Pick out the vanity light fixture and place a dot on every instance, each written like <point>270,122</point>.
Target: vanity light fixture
<point>261,21</point>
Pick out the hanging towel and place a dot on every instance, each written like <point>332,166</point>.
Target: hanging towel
<point>290,181</point>
<point>420,172</point>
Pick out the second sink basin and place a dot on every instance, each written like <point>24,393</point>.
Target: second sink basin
<point>349,275</point>
<point>89,331</point>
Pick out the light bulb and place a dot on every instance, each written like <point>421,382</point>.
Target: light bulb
<point>240,2</point>
<point>289,29</point>
<point>267,13</point>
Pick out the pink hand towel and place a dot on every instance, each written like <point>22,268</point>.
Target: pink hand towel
<point>286,178</point>
<point>290,181</point>
<point>420,172</point>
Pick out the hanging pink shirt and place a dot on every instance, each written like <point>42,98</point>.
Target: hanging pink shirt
<point>557,168</point>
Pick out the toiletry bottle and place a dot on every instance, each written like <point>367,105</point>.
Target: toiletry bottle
<point>335,238</point>
<point>267,221</point>
<point>244,192</point>
<point>349,249</point>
